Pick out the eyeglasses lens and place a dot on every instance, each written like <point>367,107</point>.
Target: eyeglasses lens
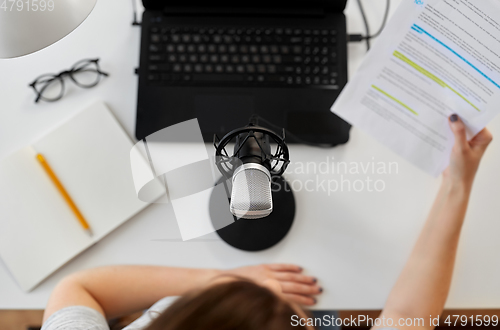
<point>50,88</point>
<point>86,74</point>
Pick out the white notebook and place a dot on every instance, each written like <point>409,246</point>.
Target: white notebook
<point>38,231</point>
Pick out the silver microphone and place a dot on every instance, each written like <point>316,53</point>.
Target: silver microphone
<point>260,156</point>
<point>251,196</point>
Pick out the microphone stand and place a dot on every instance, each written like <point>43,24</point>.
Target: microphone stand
<point>263,233</point>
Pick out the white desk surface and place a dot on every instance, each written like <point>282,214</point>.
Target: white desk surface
<point>355,243</point>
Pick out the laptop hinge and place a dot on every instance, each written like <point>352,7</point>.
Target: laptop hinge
<point>267,12</point>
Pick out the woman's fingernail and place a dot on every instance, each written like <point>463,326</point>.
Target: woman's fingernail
<point>453,118</point>
<point>315,301</point>
<point>315,279</point>
<point>301,269</point>
<point>320,289</point>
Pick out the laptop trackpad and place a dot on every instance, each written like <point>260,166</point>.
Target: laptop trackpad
<point>221,113</point>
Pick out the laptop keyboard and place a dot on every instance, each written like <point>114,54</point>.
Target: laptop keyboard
<point>281,57</point>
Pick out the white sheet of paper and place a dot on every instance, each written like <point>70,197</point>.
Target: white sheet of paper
<point>90,156</point>
<point>434,58</point>
<point>38,232</point>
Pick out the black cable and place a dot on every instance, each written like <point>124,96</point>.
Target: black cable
<point>384,21</point>
<point>134,11</point>
<point>355,38</point>
<point>367,26</point>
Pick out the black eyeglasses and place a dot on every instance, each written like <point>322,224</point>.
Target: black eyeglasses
<point>85,73</point>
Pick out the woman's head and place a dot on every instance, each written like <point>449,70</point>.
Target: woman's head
<point>227,305</point>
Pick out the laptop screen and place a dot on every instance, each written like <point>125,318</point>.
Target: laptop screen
<point>329,5</point>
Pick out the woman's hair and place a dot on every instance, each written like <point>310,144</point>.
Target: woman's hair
<point>241,305</point>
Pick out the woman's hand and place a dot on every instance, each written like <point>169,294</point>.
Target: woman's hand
<point>466,155</point>
<point>423,285</point>
<point>295,286</point>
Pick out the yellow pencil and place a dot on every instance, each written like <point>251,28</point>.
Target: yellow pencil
<point>64,193</point>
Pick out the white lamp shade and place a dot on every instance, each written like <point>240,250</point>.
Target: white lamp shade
<point>24,30</point>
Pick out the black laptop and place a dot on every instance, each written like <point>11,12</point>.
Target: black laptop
<point>222,62</point>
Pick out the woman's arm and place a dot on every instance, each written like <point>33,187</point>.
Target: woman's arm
<point>422,288</point>
<point>119,290</point>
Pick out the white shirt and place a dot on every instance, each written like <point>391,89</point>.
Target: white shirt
<point>86,318</point>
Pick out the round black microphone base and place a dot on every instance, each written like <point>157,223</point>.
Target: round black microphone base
<point>263,233</point>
